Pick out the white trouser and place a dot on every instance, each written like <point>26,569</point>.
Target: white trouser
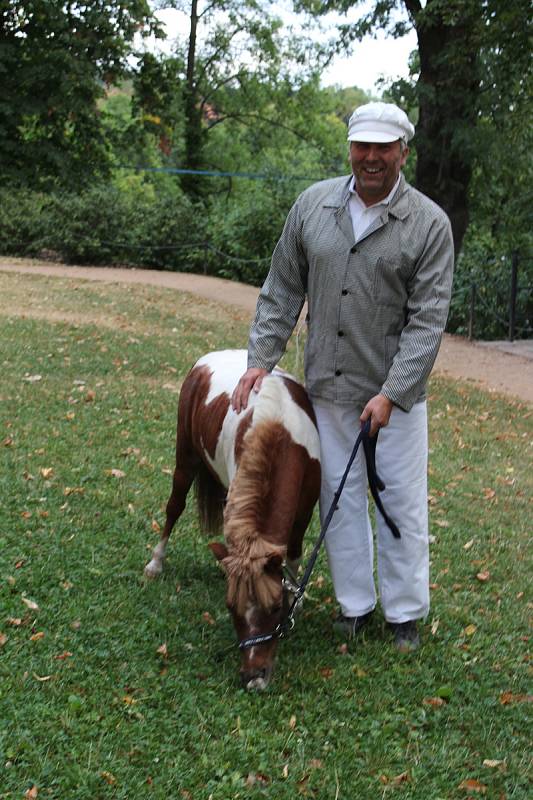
<point>403,564</point>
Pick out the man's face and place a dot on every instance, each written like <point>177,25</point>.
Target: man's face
<point>376,167</point>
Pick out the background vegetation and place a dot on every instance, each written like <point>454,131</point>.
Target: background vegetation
<point>111,687</point>
<point>100,154</point>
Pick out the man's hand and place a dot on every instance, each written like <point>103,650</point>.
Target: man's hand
<point>251,380</point>
<point>378,409</point>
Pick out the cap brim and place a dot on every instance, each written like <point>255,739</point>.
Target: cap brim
<point>373,136</point>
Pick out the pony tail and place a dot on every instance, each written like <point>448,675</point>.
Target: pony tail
<point>210,499</point>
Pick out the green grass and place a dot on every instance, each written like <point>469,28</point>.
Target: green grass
<point>91,710</point>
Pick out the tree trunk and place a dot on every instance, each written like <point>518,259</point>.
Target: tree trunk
<point>447,87</point>
<point>194,135</point>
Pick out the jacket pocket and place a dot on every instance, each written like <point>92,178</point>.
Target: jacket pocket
<point>388,284</point>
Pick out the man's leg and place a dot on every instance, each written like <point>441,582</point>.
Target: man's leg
<point>403,564</point>
<point>348,541</point>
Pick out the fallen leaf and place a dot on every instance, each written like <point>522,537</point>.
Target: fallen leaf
<point>470,630</point>
<point>46,472</point>
<point>3,639</point>
<point>326,672</point>
<point>156,526</point>
<point>492,762</point>
<point>442,523</point>
<point>63,656</point>
<point>68,490</point>
<point>403,777</point>
<point>285,771</point>
<point>435,626</point>
<point>108,777</point>
<point>32,378</point>
<point>468,544</point>
<point>42,678</point>
<point>90,396</point>
<point>342,649</point>
<point>433,701</point>
<point>15,621</point>
<point>445,692</point>
<point>471,785</point>
<point>483,576</point>
<point>316,763</point>
<point>129,700</point>
<point>115,473</point>
<point>37,636</point>
<point>292,722</point>
<point>30,603</point>
<point>163,650</point>
<point>489,493</point>
<point>506,698</point>
<point>32,793</point>
<point>206,616</point>
<point>7,442</point>
<point>25,514</point>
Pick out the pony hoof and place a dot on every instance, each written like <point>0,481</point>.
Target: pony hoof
<point>153,569</point>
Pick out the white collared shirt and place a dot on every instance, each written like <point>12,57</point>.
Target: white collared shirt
<point>362,215</point>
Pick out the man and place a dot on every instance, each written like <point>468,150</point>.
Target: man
<point>375,259</point>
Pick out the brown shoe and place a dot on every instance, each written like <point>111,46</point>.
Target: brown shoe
<point>406,636</point>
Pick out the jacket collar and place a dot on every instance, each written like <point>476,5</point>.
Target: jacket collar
<point>398,206</point>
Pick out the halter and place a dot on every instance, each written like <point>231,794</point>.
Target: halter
<point>298,590</point>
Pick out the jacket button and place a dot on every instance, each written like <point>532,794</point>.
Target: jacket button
<point>353,249</point>
<point>338,372</point>
<point>340,333</point>
<point>344,292</point>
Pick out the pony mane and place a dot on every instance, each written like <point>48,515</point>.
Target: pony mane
<point>248,501</point>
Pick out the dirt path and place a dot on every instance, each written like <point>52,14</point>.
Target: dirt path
<point>496,366</point>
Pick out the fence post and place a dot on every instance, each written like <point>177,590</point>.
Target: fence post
<point>472,311</point>
<point>512,296</point>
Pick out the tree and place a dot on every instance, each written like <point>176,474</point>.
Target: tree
<point>474,63</point>
<point>56,58</point>
<point>234,66</point>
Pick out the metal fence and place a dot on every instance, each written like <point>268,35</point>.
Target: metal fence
<point>506,302</point>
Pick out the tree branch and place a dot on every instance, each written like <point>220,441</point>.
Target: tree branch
<point>214,89</point>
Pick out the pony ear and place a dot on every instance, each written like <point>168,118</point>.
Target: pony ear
<point>274,562</point>
<point>219,550</point>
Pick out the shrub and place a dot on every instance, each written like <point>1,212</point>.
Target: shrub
<point>24,222</point>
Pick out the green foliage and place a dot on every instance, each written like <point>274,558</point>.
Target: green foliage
<point>133,224</point>
<point>91,710</point>
<point>25,221</point>
<point>483,265</point>
<point>63,55</point>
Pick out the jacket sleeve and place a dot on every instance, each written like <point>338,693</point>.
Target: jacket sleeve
<point>429,292</point>
<point>281,298</point>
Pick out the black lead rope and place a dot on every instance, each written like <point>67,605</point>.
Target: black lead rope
<point>376,485</point>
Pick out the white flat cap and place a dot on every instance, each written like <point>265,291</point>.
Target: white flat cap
<point>379,122</point>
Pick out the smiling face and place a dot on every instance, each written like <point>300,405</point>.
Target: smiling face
<point>376,167</point>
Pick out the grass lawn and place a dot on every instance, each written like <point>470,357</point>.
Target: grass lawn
<point>112,687</point>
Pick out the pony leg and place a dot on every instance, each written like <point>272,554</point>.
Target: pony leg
<point>181,483</point>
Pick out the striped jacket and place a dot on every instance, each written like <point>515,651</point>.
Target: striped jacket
<point>377,307</point>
